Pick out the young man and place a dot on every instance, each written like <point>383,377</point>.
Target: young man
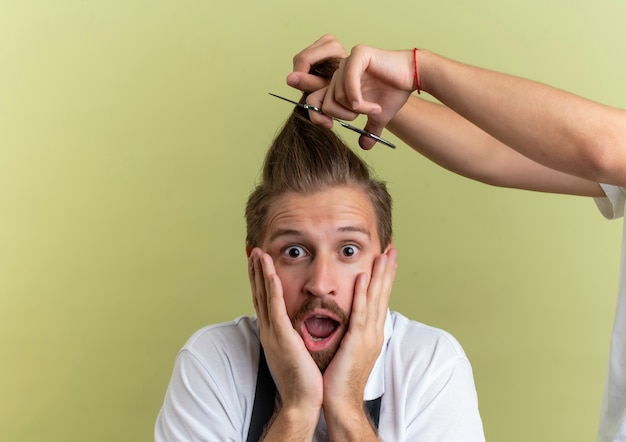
<point>321,269</point>
<point>496,128</point>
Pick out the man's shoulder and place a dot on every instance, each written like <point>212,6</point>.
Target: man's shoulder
<point>240,335</point>
<point>413,337</point>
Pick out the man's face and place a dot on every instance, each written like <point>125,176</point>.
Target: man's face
<point>320,243</point>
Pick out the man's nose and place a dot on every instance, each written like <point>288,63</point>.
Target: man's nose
<point>322,277</point>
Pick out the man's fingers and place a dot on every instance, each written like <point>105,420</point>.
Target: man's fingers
<point>258,289</point>
<point>377,299</point>
<point>388,278</point>
<point>379,290</point>
<point>358,316</point>
<point>371,297</point>
<point>276,309</point>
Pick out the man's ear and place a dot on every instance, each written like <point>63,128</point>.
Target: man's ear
<point>389,246</point>
<point>248,250</point>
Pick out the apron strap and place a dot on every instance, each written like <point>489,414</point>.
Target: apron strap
<point>265,398</point>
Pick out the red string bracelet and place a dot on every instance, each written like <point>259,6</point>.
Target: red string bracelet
<point>417,71</point>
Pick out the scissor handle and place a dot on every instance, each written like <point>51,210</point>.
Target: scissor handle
<point>364,132</point>
<point>313,108</point>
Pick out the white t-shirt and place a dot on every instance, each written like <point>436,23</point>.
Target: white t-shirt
<point>425,379</point>
<point>613,417</point>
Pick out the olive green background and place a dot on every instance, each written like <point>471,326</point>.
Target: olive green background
<point>131,133</point>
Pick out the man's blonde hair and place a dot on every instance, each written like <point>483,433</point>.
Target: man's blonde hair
<point>305,158</point>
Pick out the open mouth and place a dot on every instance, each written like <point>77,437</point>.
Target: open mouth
<point>320,327</point>
<point>318,332</point>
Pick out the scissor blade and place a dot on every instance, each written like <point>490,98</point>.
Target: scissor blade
<point>300,105</point>
<point>364,132</point>
<point>288,100</point>
<point>343,123</point>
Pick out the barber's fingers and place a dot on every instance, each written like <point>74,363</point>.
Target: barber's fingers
<point>316,99</point>
<point>306,82</point>
<point>324,48</point>
<point>329,101</point>
<point>323,99</point>
<point>348,86</point>
<point>338,100</point>
<point>373,126</point>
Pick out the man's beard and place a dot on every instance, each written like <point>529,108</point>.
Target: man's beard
<point>323,358</point>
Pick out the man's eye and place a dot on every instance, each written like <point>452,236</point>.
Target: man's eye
<point>349,251</point>
<point>295,251</point>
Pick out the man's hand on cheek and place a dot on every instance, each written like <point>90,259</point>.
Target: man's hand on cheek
<point>299,380</point>
<point>347,374</point>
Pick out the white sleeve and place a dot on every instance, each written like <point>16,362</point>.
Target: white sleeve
<point>197,406</point>
<point>611,205</point>
<point>430,393</point>
<point>451,410</point>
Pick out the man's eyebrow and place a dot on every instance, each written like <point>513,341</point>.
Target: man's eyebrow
<point>284,232</point>
<point>362,230</point>
<point>293,232</point>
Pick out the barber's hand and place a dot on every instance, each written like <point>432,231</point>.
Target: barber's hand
<point>322,49</point>
<point>298,377</point>
<point>347,373</point>
<point>369,81</point>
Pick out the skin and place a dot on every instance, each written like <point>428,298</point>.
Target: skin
<point>492,127</point>
<point>321,249</point>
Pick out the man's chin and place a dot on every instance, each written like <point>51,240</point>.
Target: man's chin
<point>323,358</point>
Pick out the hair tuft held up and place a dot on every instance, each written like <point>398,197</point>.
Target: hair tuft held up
<point>306,158</point>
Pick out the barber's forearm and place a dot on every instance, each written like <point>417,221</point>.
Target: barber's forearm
<point>550,126</point>
<point>444,137</point>
<point>456,144</point>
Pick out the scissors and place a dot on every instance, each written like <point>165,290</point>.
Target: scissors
<point>343,123</point>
